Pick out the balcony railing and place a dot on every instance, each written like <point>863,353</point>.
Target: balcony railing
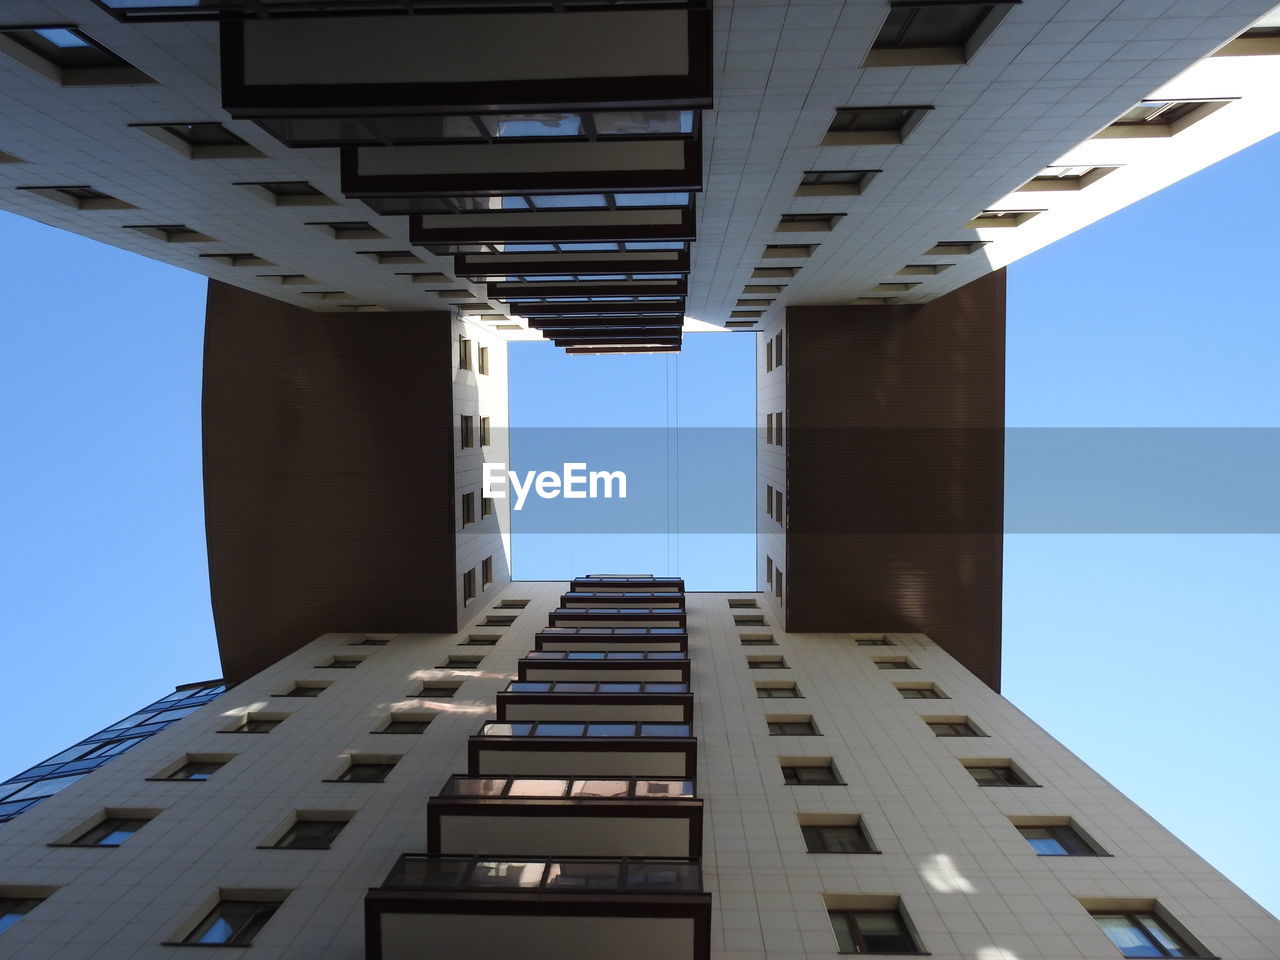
<point>622,596</point>
<point>533,875</point>
<point>604,655</point>
<point>602,687</point>
<point>558,788</point>
<point>547,728</point>
<point>662,632</point>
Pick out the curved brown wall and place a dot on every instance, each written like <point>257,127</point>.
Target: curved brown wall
<point>895,470</point>
<point>328,470</point>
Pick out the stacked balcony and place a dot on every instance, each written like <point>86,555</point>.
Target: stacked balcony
<point>576,830</point>
<point>551,149</point>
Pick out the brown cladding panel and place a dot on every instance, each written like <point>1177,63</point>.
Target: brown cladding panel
<point>895,467</point>
<point>328,470</point>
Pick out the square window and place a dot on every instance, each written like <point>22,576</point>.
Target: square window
<point>757,640</point>
<point>894,663</point>
<point>233,922</point>
<point>497,621</point>
<point>486,507</point>
<point>342,663</point>
<point>874,642</point>
<point>952,727</point>
<point>171,232</point>
<point>483,365</point>
<point>1159,118</point>
<point>928,34</point>
<point>828,833</point>
<point>206,140</point>
<point>920,691</point>
<point>834,183</point>
<point>438,690</point>
<point>1142,929</point>
<point>766,663</point>
<point>291,193</point>
<point>1002,218</point>
<point>1066,178</point>
<point>68,56</point>
<point>803,771</point>
<point>80,198</point>
<point>461,663</point>
<point>304,689</point>
<point>512,604</point>
<point>863,125</point>
<point>1055,837</point>
<point>464,353</point>
<point>749,620</point>
<point>777,691</point>
<point>872,931</point>
<point>111,831</point>
<point>195,767</point>
<point>777,582</point>
<point>782,725</point>
<point>486,571</point>
<point>788,251</point>
<point>955,248</point>
<point>467,431</point>
<point>312,832</point>
<point>481,640</point>
<point>996,773</point>
<point>16,904</point>
<point>350,229</point>
<point>365,770</point>
<point>743,604</point>
<point>485,435</point>
<point>468,508</point>
<point>258,723</point>
<point>805,223</point>
<point>469,586</point>
<point>401,724</point>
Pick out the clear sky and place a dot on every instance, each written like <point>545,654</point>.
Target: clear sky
<point>1150,655</point>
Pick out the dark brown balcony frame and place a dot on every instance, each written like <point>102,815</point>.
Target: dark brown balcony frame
<point>683,700</point>
<point>691,90</point>
<point>689,906</point>
<point>674,584</point>
<point>471,227</point>
<point>562,616</point>
<point>621,597</point>
<point>641,348</point>
<point>687,809</point>
<point>635,343</point>
<point>687,177</point>
<point>598,640</point>
<point>525,664</point>
<point>684,747</point>
<point>515,291</point>
<point>478,264</point>
<point>604,308</point>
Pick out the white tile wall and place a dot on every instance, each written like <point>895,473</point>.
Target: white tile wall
<point>971,884</point>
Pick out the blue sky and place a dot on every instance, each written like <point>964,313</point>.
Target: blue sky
<point>1150,655</point>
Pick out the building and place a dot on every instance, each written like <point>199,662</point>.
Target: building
<point>377,226</point>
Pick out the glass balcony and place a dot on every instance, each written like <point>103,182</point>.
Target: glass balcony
<point>599,687</point>
<point>483,874</point>
<point>612,632</point>
<point>617,616</point>
<point>556,788</point>
<point>649,655</point>
<point>546,728</point>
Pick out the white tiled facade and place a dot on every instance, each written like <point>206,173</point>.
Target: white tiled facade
<point>970,884</point>
<point>1051,75</point>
